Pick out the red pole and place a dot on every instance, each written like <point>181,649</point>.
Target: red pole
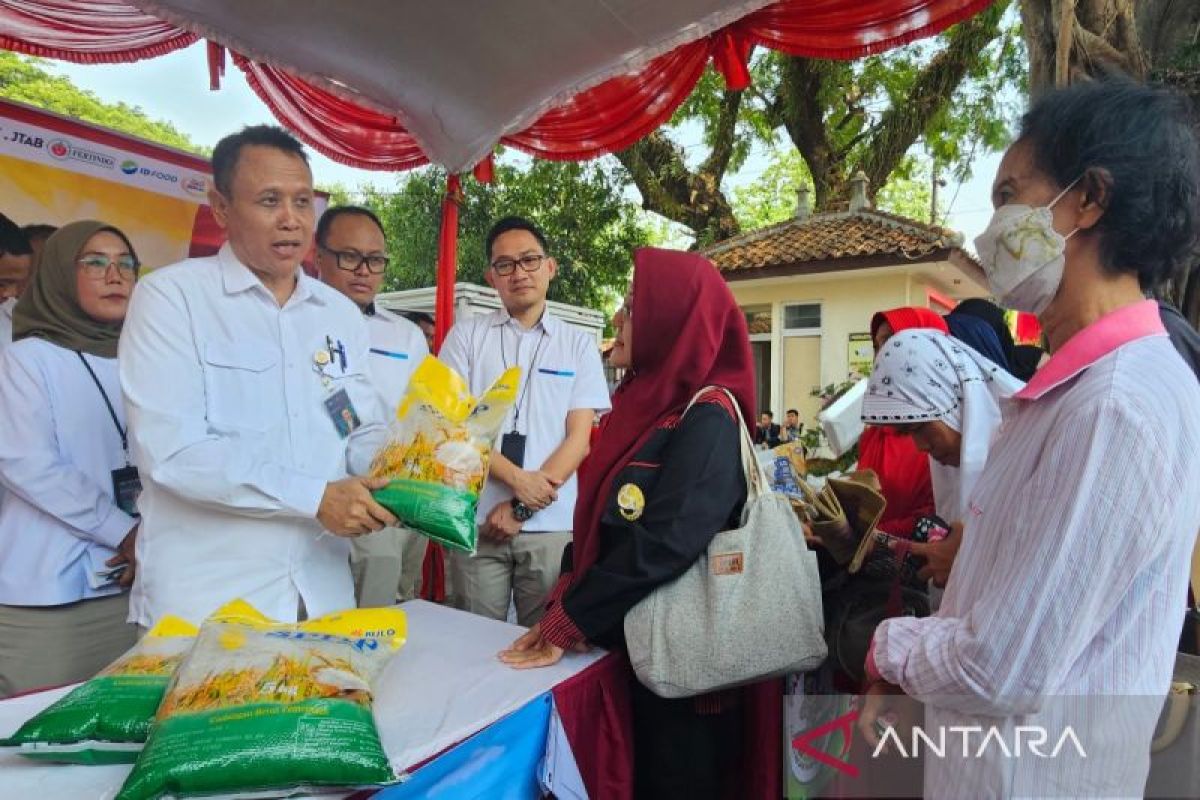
<point>447,268</point>
<point>433,578</point>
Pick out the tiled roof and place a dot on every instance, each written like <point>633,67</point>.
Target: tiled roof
<point>830,237</point>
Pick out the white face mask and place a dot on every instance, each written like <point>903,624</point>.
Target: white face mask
<point>1022,255</point>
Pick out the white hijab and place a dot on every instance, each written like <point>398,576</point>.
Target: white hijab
<point>922,375</point>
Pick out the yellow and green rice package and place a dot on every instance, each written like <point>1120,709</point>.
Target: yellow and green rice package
<point>258,708</point>
<point>105,720</point>
<point>438,451</point>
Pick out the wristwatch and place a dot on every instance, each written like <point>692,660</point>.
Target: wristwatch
<point>521,512</point>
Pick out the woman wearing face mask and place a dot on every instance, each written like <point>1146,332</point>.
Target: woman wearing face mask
<point>946,397</point>
<point>652,495</point>
<point>1079,532</point>
<point>63,530</point>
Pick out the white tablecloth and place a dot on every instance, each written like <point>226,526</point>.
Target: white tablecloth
<point>444,685</point>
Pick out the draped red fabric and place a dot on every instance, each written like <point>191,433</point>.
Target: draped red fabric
<point>345,132</point>
<point>603,119</point>
<point>87,31</point>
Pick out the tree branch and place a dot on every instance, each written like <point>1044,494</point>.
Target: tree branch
<point>801,88</point>
<point>903,123</point>
<point>724,138</point>
<point>669,188</point>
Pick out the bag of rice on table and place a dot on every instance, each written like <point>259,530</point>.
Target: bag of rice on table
<point>269,709</point>
<point>438,451</point>
<point>106,719</point>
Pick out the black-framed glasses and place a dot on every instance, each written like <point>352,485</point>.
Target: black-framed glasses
<point>529,263</point>
<point>95,266</point>
<point>351,260</point>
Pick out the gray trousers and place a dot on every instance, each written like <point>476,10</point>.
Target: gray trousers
<point>522,570</point>
<point>43,646</point>
<point>386,566</point>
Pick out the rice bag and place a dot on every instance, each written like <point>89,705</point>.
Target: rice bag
<point>105,720</point>
<point>438,450</point>
<point>261,708</point>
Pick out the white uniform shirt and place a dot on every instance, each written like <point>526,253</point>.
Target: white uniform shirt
<point>397,348</point>
<point>1072,576</point>
<point>6,312</point>
<point>235,446</point>
<point>560,372</point>
<point>59,446</point>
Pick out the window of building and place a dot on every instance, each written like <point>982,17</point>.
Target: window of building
<point>802,319</point>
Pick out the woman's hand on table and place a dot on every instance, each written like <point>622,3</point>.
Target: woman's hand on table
<point>531,650</point>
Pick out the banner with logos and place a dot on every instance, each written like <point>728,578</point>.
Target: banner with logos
<point>55,170</point>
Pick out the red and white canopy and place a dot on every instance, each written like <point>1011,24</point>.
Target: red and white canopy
<point>393,84</point>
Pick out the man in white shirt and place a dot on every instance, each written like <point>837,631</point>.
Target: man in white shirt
<point>15,268</point>
<point>352,258</point>
<point>249,403</point>
<point>526,509</point>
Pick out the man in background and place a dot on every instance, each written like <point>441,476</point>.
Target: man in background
<point>16,259</point>
<point>352,258</point>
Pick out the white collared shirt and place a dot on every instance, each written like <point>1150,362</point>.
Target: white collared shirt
<point>233,440</point>
<point>397,347</point>
<point>561,372</point>
<point>6,314</point>
<point>59,446</point>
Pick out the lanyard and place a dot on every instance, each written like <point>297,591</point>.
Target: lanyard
<point>529,377</point>
<point>112,412</point>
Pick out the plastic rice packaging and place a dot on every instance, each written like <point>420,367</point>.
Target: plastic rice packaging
<point>260,709</point>
<point>106,719</point>
<point>438,451</point>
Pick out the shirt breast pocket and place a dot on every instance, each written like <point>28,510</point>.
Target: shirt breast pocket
<point>241,386</point>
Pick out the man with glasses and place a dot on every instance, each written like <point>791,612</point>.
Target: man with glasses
<point>251,411</point>
<point>526,509</point>
<point>352,258</point>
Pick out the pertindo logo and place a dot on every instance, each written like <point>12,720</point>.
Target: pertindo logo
<point>129,166</point>
<point>197,186</point>
<point>63,149</point>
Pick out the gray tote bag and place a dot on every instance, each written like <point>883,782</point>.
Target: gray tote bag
<point>748,609</point>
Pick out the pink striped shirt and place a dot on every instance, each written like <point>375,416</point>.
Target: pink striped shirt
<point>1073,570</point>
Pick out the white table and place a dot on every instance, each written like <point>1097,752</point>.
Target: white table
<point>444,685</point>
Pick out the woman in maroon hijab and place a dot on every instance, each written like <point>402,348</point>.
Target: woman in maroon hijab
<point>656,489</point>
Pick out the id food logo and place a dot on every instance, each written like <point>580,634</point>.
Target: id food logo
<point>129,166</point>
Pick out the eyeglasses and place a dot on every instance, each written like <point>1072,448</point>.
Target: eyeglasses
<point>351,261</point>
<point>95,266</point>
<point>506,266</point>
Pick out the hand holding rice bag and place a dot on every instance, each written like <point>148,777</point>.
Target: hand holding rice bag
<point>438,451</point>
<point>262,708</point>
<point>106,719</point>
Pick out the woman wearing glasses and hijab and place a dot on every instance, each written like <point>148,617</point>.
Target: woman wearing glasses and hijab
<point>67,525</point>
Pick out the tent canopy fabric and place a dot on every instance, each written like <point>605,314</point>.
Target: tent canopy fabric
<point>393,84</point>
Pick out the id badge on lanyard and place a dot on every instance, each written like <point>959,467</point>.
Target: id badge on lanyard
<point>338,405</point>
<point>126,484</point>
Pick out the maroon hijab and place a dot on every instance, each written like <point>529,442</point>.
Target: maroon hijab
<point>688,333</point>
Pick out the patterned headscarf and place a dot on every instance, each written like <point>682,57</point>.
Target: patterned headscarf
<point>924,375</point>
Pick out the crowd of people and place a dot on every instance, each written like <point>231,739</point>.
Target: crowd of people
<point>201,432</point>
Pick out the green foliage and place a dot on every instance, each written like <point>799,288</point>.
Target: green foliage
<point>592,229</point>
<point>772,197</point>
<point>27,80</point>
